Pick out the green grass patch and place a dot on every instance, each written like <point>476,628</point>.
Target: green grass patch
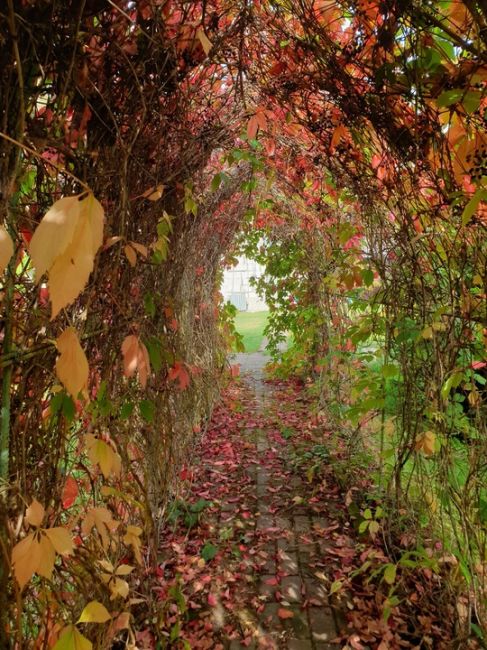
<point>251,326</point>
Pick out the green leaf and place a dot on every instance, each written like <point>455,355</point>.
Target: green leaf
<point>216,182</point>
<point>126,410</point>
<point>367,513</point>
<point>154,348</point>
<point>367,277</point>
<point>472,205</point>
<point>452,382</point>
<point>450,97</point>
<point>72,639</point>
<point>68,408</point>
<point>389,370</point>
<point>208,551</point>
<point>390,574</point>
<point>147,410</point>
<point>336,586</point>
<point>149,305</point>
<point>363,526</point>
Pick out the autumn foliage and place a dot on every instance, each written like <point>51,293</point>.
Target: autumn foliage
<point>343,145</point>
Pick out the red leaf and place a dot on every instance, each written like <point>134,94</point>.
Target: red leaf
<point>285,613</point>
<point>70,492</point>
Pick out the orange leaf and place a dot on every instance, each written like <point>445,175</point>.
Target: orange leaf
<point>135,359</point>
<point>285,613</point>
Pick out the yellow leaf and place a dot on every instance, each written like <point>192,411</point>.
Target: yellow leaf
<point>26,556</point>
<point>94,612</point>
<point>101,453</point>
<point>426,442</point>
<point>72,366</point>
<point>6,249</point>
<point>71,269</point>
<point>61,540</point>
<point>54,234</point>
<point>72,639</point>
<point>154,193</point>
<point>48,555</point>
<point>140,248</point>
<point>101,519</point>
<point>135,359</point>
<point>36,552</point>
<point>132,538</point>
<point>206,44</point>
<point>124,570</point>
<point>35,513</point>
<point>119,588</point>
<point>130,254</point>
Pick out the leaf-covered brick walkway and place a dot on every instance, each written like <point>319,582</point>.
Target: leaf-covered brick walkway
<point>255,570</point>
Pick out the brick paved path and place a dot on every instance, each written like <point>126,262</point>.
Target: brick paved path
<point>274,536</point>
<point>293,586</point>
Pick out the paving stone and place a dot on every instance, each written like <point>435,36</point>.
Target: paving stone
<point>291,589</point>
<point>264,522</point>
<point>265,589</point>
<point>269,613</point>
<point>298,624</point>
<point>284,523</point>
<point>288,562</point>
<point>301,524</point>
<point>322,623</point>
<point>300,644</point>
<point>287,543</point>
<point>316,590</point>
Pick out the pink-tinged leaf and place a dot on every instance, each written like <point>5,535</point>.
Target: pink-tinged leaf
<point>212,600</point>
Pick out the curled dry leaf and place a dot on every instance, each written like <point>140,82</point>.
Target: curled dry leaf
<point>72,366</point>
<point>135,359</point>
<point>6,249</point>
<point>65,244</point>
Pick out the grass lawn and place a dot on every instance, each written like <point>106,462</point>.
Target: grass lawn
<point>251,327</point>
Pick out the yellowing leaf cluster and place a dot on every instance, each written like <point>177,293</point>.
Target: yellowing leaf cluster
<point>102,454</point>
<point>119,588</point>
<point>65,244</point>
<point>36,553</point>
<point>101,519</point>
